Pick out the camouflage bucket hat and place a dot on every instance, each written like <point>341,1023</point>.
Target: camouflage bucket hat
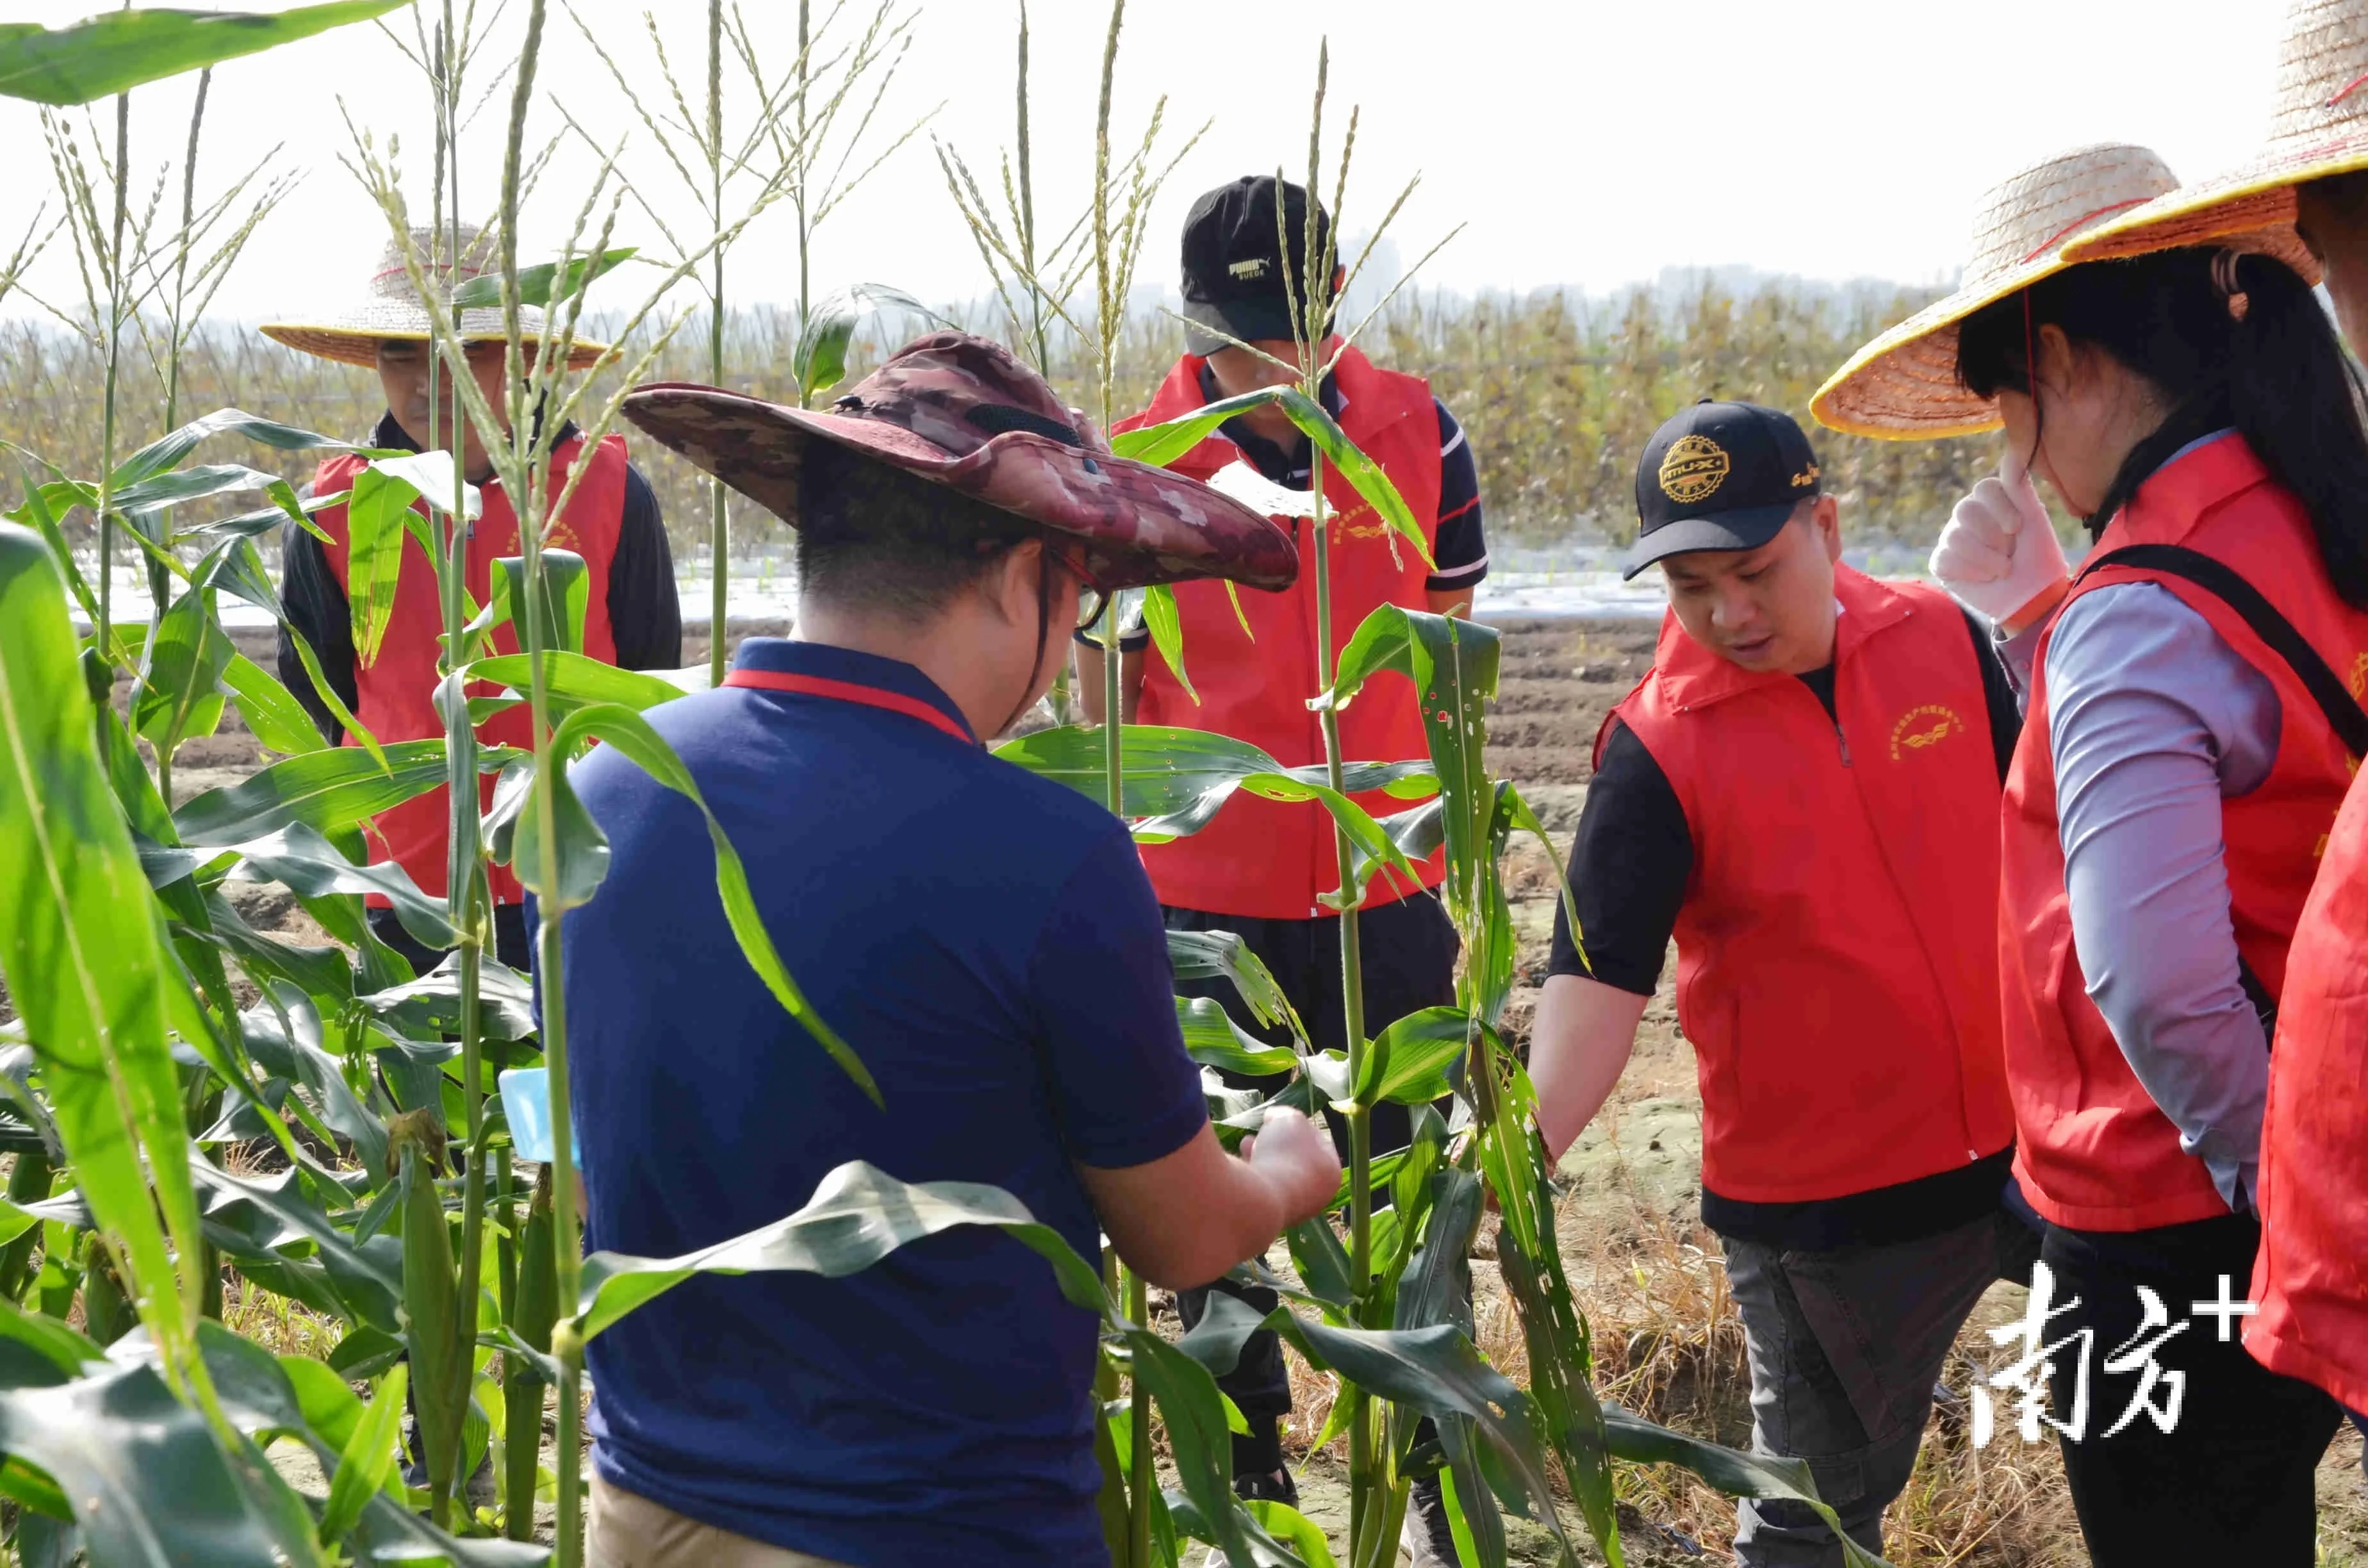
<point>959,410</point>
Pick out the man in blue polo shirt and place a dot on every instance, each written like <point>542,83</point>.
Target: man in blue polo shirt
<point>984,940</point>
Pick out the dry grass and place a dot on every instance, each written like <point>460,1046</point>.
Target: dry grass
<point>276,1324</point>
<point>1558,393</point>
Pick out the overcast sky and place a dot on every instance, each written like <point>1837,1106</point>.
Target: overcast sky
<point>1580,141</point>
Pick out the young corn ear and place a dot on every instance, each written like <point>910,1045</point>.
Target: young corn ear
<point>28,1182</point>
<point>532,1313</point>
<point>439,1357</point>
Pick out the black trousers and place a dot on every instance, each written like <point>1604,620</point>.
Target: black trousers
<point>1407,955</point>
<point>2232,1480</point>
<point>509,938</point>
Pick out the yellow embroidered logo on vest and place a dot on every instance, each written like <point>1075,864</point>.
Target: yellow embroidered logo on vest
<point>1924,726</point>
<point>1693,469</point>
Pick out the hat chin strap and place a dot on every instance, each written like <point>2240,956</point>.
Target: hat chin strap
<point>1045,566</point>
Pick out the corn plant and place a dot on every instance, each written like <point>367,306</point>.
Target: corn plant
<point>780,151</point>
<point>1392,1298</point>
<point>155,1024</point>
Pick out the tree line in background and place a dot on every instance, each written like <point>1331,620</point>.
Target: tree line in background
<point>1559,391</point>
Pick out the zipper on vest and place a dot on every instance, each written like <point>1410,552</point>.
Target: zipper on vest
<point>1842,740</point>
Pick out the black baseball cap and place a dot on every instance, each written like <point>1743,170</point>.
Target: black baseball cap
<point>1719,476</point>
<point>1233,278</point>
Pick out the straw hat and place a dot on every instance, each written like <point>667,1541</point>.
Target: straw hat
<point>962,411</point>
<point>1903,386</point>
<point>391,312</point>
<point>2319,128</point>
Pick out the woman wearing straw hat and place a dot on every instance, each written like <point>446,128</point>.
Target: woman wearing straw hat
<point>2181,764</point>
<point>632,617</point>
<point>2311,1281</point>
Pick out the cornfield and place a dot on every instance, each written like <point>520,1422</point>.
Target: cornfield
<point>264,1197</point>
<point>1558,393</point>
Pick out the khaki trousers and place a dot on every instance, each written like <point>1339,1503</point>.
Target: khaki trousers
<point>629,1531</point>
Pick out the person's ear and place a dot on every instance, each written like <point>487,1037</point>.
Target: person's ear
<point>2058,361</point>
<point>1016,580</point>
<point>1825,517</point>
<point>1340,280</point>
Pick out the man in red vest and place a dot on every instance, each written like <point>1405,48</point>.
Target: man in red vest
<point>633,619</point>
<point>1804,792</point>
<point>1262,869</point>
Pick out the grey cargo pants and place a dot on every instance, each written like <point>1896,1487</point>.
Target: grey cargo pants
<point>1845,1347</point>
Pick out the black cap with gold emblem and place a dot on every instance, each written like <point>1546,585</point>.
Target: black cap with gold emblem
<point>1719,476</point>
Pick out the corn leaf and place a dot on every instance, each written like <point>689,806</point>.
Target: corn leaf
<point>166,452</point>
<point>1436,1371</point>
<point>1223,955</point>
<point>430,1005</point>
<point>1323,1263</point>
<point>42,518</point>
<point>270,708</point>
<point>572,680</point>
<point>819,361</point>
<point>1737,1473</point>
<point>331,789</point>
<point>1562,1356</point>
<point>377,517</point>
<point>859,1215</point>
<point>542,284</point>
<point>329,697</point>
<point>1453,664</point>
<point>368,1459</point>
<point>1176,781</point>
<point>166,490</point>
<point>631,735</point>
<point>82,948</point>
<point>580,847</point>
<point>180,694</point>
<point>1417,832</point>
<point>1408,1063</point>
<point>1214,1039</point>
<point>431,476</point>
<point>259,1219</point>
<point>566,594</point>
<point>117,50</point>
<point>148,1481</point>
<point>1194,1415</point>
<point>1166,627</point>
<point>260,1398</point>
<point>1160,445</point>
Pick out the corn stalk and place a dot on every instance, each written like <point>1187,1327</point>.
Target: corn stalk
<point>519,446</point>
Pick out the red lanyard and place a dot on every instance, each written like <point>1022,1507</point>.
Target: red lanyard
<point>849,691</point>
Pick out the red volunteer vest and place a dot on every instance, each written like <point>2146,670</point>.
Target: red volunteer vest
<point>1837,968</point>
<point>2311,1278</point>
<point>2095,1151</point>
<point>397,692</point>
<point>1266,857</point>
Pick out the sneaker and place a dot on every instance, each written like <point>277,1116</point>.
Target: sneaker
<point>1427,1538</point>
<point>1274,1487</point>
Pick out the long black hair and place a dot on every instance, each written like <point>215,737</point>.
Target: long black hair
<point>2229,339</point>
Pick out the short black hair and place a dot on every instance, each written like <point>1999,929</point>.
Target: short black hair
<point>872,537</point>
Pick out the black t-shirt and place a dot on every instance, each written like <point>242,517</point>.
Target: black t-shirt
<point>1629,868</point>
